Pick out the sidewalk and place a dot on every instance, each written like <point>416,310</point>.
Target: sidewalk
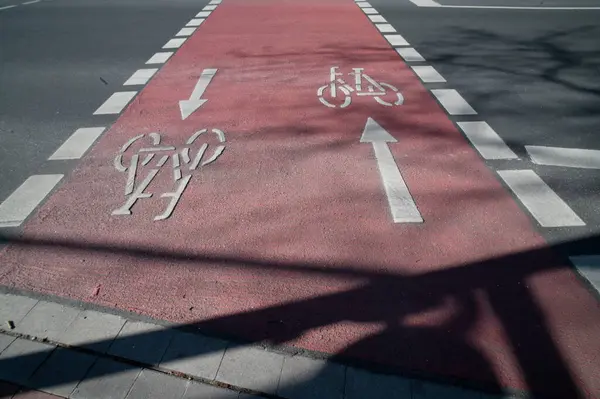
<point>58,350</point>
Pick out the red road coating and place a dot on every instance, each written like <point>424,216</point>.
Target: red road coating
<point>295,225</point>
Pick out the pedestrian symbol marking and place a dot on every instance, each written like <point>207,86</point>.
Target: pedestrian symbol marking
<point>156,155</point>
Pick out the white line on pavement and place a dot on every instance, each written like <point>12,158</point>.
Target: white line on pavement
<point>426,3</point>
<point>186,31</point>
<point>78,144</point>
<point>377,18</point>
<point>160,58</point>
<point>174,43</point>
<point>453,102</point>
<point>486,140</point>
<point>589,267</point>
<point>385,28</point>
<point>195,22</point>
<point>203,14</point>
<point>115,103</point>
<point>396,40</point>
<point>215,2</point>
<point>363,4</point>
<point>140,77</point>
<point>19,205</point>
<point>569,157</point>
<point>428,74</point>
<point>7,7</point>
<point>370,10</point>
<point>409,54</point>
<point>209,7</point>
<point>520,8</point>
<point>31,2</point>
<point>543,203</point>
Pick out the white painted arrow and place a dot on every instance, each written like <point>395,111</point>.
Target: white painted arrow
<point>402,206</point>
<point>187,107</point>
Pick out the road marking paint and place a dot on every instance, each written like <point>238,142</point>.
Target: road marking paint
<point>453,102</point>
<point>428,74</point>
<point>19,205</point>
<point>209,7</point>
<point>78,144</point>
<point>195,101</point>
<point>543,203</point>
<point>516,7</point>
<point>589,267</point>
<point>203,14</point>
<point>215,2</point>
<point>569,157</point>
<point>160,58</point>
<point>174,43</point>
<point>486,140</point>
<point>31,2</point>
<point>370,10</point>
<point>425,3</point>
<point>385,28</point>
<point>115,103</point>
<point>377,18</point>
<point>396,40</point>
<point>7,7</point>
<point>363,4</point>
<point>409,54</point>
<point>140,77</point>
<point>195,22</point>
<point>186,31</point>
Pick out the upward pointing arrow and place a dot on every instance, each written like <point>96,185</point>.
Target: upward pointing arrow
<point>188,107</point>
<point>402,205</point>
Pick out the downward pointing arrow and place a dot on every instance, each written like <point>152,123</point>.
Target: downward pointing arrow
<point>402,206</point>
<point>188,107</point>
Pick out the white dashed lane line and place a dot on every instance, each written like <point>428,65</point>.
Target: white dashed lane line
<point>489,144</point>
<point>396,40</point>
<point>195,22</point>
<point>185,32</point>
<point>140,77</point>
<point>567,157</point>
<point>428,74</point>
<point>160,58</point>
<point>115,103</point>
<point>78,144</point>
<point>203,14</point>
<point>453,102</point>
<point>7,7</point>
<point>385,28</point>
<point>174,43</point>
<point>409,54</point>
<point>30,2</point>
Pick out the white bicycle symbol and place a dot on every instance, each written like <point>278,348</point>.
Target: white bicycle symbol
<point>373,88</point>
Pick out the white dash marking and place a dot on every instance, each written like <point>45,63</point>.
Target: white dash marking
<point>160,58</point>
<point>78,144</point>
<point>409,54</point>
<point>370,10</point>
<point>428,74</point>
<point>209,7</point>
<point>140,77</point>
<point>31,2</point>
<point>377,18</point>
<point>589,267</point>
<point>186,31</point>
<point>396,40</point>
<point>115,103</point>
<point>7,7</point>
<point>215,2</point>
<point>195,22</point>
<point>489,144</point>
<point>19,205</point>
<point>425,3</point>
<point>453,102</point>
<point>363,4</point>
<point>174,43</point>
<point>569,157</point>
<point>203,14</point>
<point>385,28</point>
<point>543,203</point>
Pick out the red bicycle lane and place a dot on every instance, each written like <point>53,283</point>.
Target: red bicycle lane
<point>286,236</point>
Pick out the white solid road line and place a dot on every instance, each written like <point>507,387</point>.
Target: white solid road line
<point>31,2</point>
<point>396,40</point>
<point>370,10</point>
<point>174,43</point>
<point>140,77</point>
<point>160,58</point>
<point>428,74</point>
<point>486,140</point>
<point>543,203</point>
<point>431,3</point>
<point>409,54</point>
<point>377,18</point>
<point>19,205</point>
<point>195,22</point>
<point>78,144</point>
<point>203,14</point>
<point>115,103</point>
<point>7,7</point>
<point>589,267</point>
<point>209,7</point>
<point>453,102</point>
<point>186,31</point>
<point>569,157</point>
<point>385,28</point>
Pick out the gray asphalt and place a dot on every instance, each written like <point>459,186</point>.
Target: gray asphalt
<point>61,59</point>
<point>532,75</point>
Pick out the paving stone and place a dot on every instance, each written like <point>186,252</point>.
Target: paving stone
<point>14,307</point>
<point>194,354</point>
<point>93,330</point>
<point>47,320</point>
<point>196,390</point>
<point>426,390</point>
<point>363,384</point>
<point>251,368</point>
<point>143,342</point>
<point>154,385</point>
<point>302,377</point>
<point>21,358</point>
<point>7,390</point>
<point>5,340</point>
<point>106,379</point>
<point>61,372</point>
